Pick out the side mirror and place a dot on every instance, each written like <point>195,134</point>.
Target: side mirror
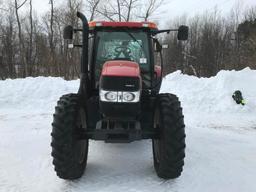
<point>68,32</point>
<point>183,33</point>
<point>157,45</point>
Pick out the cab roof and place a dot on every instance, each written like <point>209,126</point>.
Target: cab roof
<point>109,24</point>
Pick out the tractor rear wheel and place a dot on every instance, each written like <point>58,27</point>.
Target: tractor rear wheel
<point>69,153</point>
<point>169,147</point>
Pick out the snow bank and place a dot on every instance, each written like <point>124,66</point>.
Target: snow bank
<point>204,100</point>
<point>209,100</point>
<point>214,95</point>
<point>34,94</point>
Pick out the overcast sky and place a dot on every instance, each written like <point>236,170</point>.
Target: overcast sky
<point>177,8</point>
<point>174,8</point>
<point>190,7</point>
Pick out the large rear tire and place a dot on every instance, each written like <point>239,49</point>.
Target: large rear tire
<point>68,152</point>
<point>169,148</point>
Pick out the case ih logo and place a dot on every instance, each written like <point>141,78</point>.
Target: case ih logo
<point>129,85</point>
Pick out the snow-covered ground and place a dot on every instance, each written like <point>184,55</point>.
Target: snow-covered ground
<point>221,139</point>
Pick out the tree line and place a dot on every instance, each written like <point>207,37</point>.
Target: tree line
<point>33,46</point>
<point>215,43</point>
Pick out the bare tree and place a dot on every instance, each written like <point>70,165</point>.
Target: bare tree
<point>130,5</point>
<point>21,42</point>
<point>92,8</point>
<point>7,44</point>
<point>30,46</point>
<point>111,10</point>
<point>125,10</point>
<point>117,10</point>
<point>51,26</point>
<point>151,7</point>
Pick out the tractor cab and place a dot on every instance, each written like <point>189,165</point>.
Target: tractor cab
<point>122,41</point>
<point>125,41</point>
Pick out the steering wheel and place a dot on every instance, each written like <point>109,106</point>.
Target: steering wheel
<point>123,49</point>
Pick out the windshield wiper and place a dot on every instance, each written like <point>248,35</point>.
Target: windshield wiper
<point>132,36</point>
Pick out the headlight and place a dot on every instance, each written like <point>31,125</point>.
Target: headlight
<point>108,96</point>
<point>128,97</point>
<point>131,97</point>
<point>111,96</point>
<point>119,96</point>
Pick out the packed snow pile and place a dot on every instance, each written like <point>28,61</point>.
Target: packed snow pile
<point>203,99</point>
<point>36,95</point>
<point>209,100</point>
<point>213,95</point>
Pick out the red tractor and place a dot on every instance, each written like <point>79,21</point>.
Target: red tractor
<point>118,100</point>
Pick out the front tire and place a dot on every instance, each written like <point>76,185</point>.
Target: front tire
<point>68,152</point>
<point>169,148</point>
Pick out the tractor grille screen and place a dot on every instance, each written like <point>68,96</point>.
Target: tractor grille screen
<point>120,83</point>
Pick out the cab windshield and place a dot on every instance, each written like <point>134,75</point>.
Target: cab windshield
<point>123,45</point>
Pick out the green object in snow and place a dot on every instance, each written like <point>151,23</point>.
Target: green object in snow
<point>237,96</point>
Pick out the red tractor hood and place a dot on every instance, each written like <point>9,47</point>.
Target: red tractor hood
<point>121,68</point>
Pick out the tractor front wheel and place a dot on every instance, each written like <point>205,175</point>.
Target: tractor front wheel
<point>169,147</point>
<point>68,151</point>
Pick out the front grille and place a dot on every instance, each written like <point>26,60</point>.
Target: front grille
<point>120,83</point>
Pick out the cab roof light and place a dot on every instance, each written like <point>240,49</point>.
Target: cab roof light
<point>94,24</point>
<point>98,24</point>
<point>144,24</point>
